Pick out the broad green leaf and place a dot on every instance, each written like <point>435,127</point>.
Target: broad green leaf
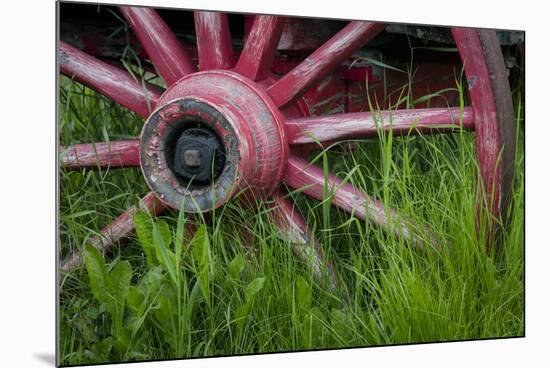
<point>164,230</point>
<point>104,348</point>
<point>102,308</point>
<point>122,341</point>
<point>242,314</point>
<point>161,233</point>
<point>92,312</point>
<point>251,290</point>
<point>303,290</point>
<point>254,288</point>
<point>236,266</point>
<point>151,282</point>
<point>195,296</point>
<point>118,286</point>
<point>144,230</point>
<point>200,254</point>
<point>119,281</point>
<point>143,299</point>
<point>341,323</point>
<point>135,298</point>
<point>200,248</point>
<point>164,313</point>
<point>144,227</point>
<point>97,273</point>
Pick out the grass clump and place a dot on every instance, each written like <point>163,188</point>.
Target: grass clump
<point>234,286</point>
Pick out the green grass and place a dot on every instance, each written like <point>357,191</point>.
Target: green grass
<point>220,294</point>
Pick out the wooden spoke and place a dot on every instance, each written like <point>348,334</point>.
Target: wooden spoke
<point>113,154</point>
<point>108,80</point>
<point>310,179</point>
<point>323,61</point>
<point>116,230</point>
<point>163,48</point>
<point>213,40</point>
<point>365,125</point>
<point>292,228</point>
<point>258,53</point>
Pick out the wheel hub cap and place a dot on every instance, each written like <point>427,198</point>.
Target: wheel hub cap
<point>214,134</point>
<point>199,156</point>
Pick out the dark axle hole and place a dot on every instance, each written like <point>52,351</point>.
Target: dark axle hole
<point>195,154</point>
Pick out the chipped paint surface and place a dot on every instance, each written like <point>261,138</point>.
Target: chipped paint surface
<point>246,121</point>
<point>171,60</point>
<point>123,153</point>
<point>364,125</point>
<point>310,179</point>
<point>154,161</point>
<point>259,52</point>
<point>108,80</point>
<point>213,40</point>
<point>489,140</point>
<point>504,115</point>
<point>323,61</point>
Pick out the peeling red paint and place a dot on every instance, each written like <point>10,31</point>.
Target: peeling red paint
<point>257,57</point>
<point>108,80</point>
<point>246,120</point>
<point>213,41</point>
<point>365,125</point>
<point>124,153</point>
<point>323,61</point>
<point>310,180</point>
<point>167,54</point>
<point>493,117</point>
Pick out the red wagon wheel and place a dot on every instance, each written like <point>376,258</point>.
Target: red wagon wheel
<point>231,126</point>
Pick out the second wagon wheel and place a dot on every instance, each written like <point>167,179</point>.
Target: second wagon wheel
<point>230,125</point>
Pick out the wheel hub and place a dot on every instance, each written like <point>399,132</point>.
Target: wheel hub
<point>214,134</point>
<point>199,156</point>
